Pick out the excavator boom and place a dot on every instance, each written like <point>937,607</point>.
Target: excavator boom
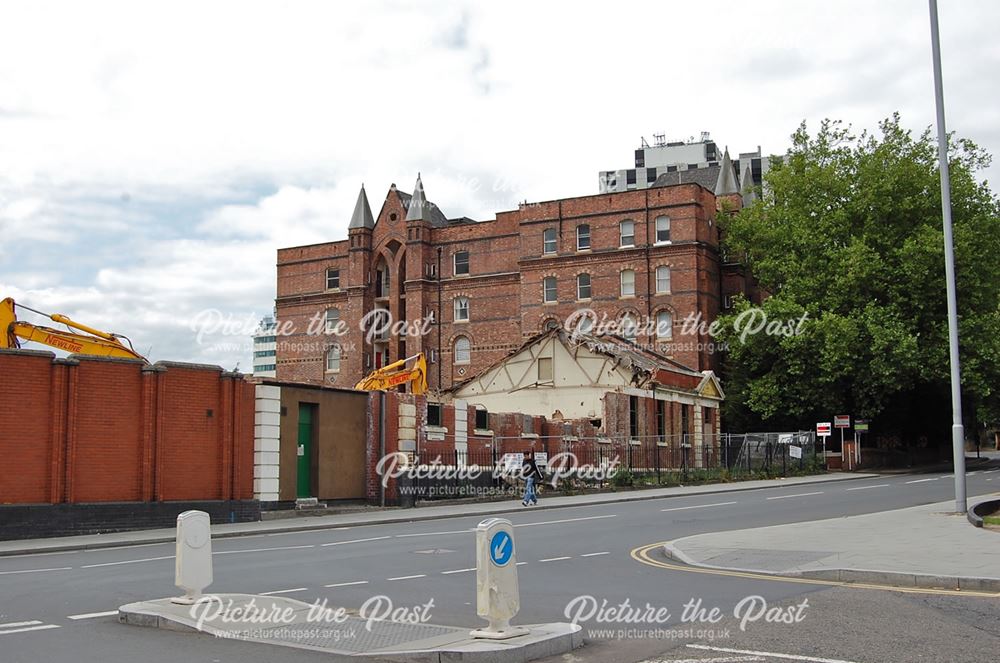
<point>396,374</point>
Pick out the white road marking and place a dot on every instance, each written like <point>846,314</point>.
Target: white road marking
<point>16,624</point>
<point>553,559</point>
<point>342,543</point>
<point>723,659</point>
<point>990,471</point>
<point>309,531</point>
<point>457,531</point>
<point>127,561</point>
<point>785,497</point>
<point>520,564</point>
<point>447,573</point>
<point>924,480</point>
<point>788,657</point>
<point>92,615</point>
<point>878,485</point>
<point>419,575</point>
<point>61,568</point>
<point>284,591</point>
<point>969,474</point>
<point>594,554</point>
<point>347,584</point>
<point>253,550</point>
<point>43,627</point>
<point>565,520</point>
<point>699,506</point>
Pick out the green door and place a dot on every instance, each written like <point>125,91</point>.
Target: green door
<point>304,488</point>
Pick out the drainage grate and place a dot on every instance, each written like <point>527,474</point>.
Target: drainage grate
<point>352,636</point>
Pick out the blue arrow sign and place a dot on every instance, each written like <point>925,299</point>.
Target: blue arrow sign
<point>501,548</point>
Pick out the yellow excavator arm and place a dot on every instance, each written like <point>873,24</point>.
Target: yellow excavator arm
<point>91,342</point>
<point>412,370</point>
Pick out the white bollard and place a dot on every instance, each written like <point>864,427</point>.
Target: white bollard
<point>497,598</point>
<point>194,555</point>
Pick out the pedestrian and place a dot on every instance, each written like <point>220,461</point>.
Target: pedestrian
<point>532,475</point>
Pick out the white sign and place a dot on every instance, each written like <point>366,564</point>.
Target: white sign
<point>512,463</point>
<point>842,421</point>
<point>193,571</point>
<point>823,429</point>
<point>794,451</point>
<point>497,597</point>
<point>786,438</point>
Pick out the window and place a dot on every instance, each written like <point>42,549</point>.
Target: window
<point>628,327</point>
<point>661,421</point>
<point>582,237</point>
<point>434,414</point>
<point>583,286</point>
<point>461,263</point>
<point>729,301</point>
<point>628,283</point>
<point>333,279</point>
<point>662,229</point>
<point>549,289</point>
<point>633,417</point>
<point>650,175</point>
<point>482,419</point>
<point>549,240</point>
<point>685,420</point>
<point>461,309</point>
<point>586,324</point>
<point>630,176</point>
<point>551,324</point>
<point>664,324</point>
<point>545,369</point>
<point>333,359</point>
<point>463,350</point>
<point>662,279</point>
<point>627,231</point>
<point>332,320</point>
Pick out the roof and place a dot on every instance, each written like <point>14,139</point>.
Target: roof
<point>706,177</point>
<point>418,208</point>
<point>726,184</point>
<point>362,217</point>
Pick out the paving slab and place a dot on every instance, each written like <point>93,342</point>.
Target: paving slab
<point>343,633</point>
<point>922,546</point>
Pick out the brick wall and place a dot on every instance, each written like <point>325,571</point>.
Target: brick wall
<point>86,429</point>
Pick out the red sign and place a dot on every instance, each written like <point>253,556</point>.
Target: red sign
<point>823,429</point>
<point>842,421</point>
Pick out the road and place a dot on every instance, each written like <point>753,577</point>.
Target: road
<point>60,606</point>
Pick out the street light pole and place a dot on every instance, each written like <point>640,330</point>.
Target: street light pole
<point>957,430</point>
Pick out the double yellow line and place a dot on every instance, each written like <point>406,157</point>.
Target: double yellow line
<point>643,556</point>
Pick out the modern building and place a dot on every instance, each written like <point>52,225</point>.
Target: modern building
<point>264,348</point>
<point>645,264</point>
<point>679,162</point>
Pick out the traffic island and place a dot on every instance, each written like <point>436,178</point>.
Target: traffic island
<point>285,622</point>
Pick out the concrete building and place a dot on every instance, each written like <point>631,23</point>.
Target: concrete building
<point>468,293</point>
<point>264,348</point>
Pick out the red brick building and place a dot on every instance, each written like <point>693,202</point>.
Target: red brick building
<point>648,258</point>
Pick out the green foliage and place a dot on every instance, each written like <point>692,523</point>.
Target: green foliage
<point>622,477</point>
<point>848,232</point>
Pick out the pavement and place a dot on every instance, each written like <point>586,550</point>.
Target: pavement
<point>927,546</point>
<point>399,515</point>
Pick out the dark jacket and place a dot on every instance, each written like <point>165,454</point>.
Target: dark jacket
<point>530,469</point>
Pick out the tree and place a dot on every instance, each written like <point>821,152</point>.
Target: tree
<point>847,230</point>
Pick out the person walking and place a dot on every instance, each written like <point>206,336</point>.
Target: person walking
<point>532,476</point>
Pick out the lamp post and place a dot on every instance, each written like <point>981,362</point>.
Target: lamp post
<point>957,430</point>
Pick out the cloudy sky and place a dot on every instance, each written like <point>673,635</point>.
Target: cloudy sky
<point>153,156</point>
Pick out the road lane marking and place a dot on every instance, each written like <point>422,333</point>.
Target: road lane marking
<point>448,573</point>
<point>419,575</point>
<point>253,550</point>
<point>787,657</point>
<point>878,485</point>
<point>924,480</point>
<point>92,615</point>
<point>60,568</point>
<point>520,564</point>
<point>127,561</point>
<point>565,520</point>
<point>43,627</point>
<point>457,531</point>
<point>554,559</point>
<point>785,497</point>
<point>16,624</point>
<point>347,584</point>
<point>342,543</point>
<point>641,555</point>
<point>969,474</point>
<point>595,554</point>
<point>990,471</point>
<point>284,591</point>
<point>699,506</point>
<point>722,659</point>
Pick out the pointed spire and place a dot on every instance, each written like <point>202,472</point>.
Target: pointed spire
<point>726,184</point>
<point>362,217</point>
<point>747,185</point>
<point>418,210</point>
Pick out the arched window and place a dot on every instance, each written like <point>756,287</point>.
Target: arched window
<point>550,325</point>
<point>582,237</point>
<point>463,350</point>
<point>628,327</point>
<point>583,286</point>
<point>333,359</point>
<point>627,232</point>
<point>628,283</point>
<point>664,324</point>
<point>332,319</point>
<point>662,279</point>
<point>461,309</point>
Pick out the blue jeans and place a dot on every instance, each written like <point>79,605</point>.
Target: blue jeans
<point>529,491</point>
